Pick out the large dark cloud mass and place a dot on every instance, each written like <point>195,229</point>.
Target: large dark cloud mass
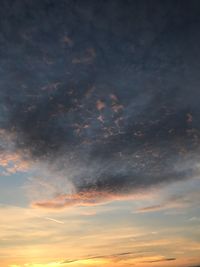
<point>107,92</point>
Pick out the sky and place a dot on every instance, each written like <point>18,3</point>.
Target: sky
<point>99,133</point>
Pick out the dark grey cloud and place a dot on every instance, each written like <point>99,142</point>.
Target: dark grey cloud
<point>166,259</point>
<point>106,90</point>
<point>117,256</point>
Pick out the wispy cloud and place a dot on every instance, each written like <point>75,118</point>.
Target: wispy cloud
<point>160,260</point>
<point>173,202</point>
<point>163,206</point>
<point>85,198</point>
<point>111,256</point>
<point>54,220</point>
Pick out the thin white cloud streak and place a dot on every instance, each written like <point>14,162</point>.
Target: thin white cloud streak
<point>54,220</point>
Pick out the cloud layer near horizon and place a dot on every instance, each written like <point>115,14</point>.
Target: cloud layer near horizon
<point>105,93</point>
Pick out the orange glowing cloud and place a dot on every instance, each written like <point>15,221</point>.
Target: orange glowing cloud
<point>100,105</point>
<point>13,162</point>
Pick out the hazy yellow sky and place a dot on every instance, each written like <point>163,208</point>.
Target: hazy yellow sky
<point>118,233</point>
<point>155,227</point>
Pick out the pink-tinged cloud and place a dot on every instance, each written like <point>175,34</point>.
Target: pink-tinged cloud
<point>175,203</point>
<point>11,159</point>
<point>169,204</point>
<point>100,105</point>
<point>87,198</point>
<point>12,162</point>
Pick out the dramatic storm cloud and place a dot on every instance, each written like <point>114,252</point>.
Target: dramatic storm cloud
<point>104,92</point>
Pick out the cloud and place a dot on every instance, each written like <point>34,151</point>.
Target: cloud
<point>11,159</point>
<point>87,198</point>
<point>113,257</point>
<point>164,206</point>
<point>88,213</point>
<point>13,162</point>
<point>54,220</point>
<point>110,102</point>
<point>151,208</point>
<point>177,202</point>
<point>160,260</point>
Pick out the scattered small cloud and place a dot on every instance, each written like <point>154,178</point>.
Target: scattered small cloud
<point>100,105</point>
<point>87,58</point>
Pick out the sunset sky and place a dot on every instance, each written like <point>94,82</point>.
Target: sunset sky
<point>99,133</point>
